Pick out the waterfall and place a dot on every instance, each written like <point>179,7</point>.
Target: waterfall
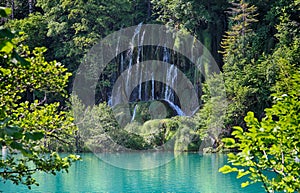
<point>148,90</point>
<point>109,102</point>
<point>169,82</point>
<point>152,88</point>
<point>173,82</point>
<point>131,48</point>
<point>166,58</point>
<point>118,44</point>
<point>171,78</point>
<point>4,152</point>
<point>122,63</point>
<point>140,47</point>
<point>134,113</point>
<point>166,54</point>
<point>175,107</point>
<point>140,52</point>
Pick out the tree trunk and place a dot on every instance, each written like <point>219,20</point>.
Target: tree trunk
<point>12,9</point>
<point>148,10</point>
<point>30,6</point>
<point>77,142</point>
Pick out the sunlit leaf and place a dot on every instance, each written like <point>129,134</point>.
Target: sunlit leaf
<point>4,12</point>
<point>6,46</point>
<point>245,184</point>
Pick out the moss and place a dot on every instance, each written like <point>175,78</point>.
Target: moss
<point>176,133</point>
<point>146,111</point>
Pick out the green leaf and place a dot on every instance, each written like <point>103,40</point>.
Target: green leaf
<point>37,135</point>
<point>4,12</point>
<point>227,169</point>
<point>244,184</point>
<point>18,135</point>
<point>34,136</point>
<point>5,71</point>
<point>229,142</point>
<point>6,46</point>
<point>13,130</point>
<point>27,153</point>
<point>16,145</point>
<point>5,33</point>
<point>241,173</point>
<point>22,61</point>
<point>238,132</point>
<point>237,128</point>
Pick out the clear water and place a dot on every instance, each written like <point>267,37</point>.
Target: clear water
<point>188,172</point>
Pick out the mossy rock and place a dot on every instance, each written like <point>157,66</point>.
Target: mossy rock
<point>150,110</point>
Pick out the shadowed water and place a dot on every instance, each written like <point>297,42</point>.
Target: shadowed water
<point>188,172</point>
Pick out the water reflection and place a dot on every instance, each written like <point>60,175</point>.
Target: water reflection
<point>185,173</point>
<point>141,160</point>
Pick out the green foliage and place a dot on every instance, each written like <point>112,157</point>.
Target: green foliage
<point>205,19</point>
<point>35,28</point>
<point>19,8</point>
<point>99,131</point>
<point>71,28</point>
<point>181,14</point>
<point>210,118</point>
<point>75,26</point>
<point>5,12</point>
<point>272,145</point>
<point>268,150</point>
<point>26,127</point>
<point>243,15</point>
<point>248,77</point>
<point>269,146</point>
<point>256,62</point>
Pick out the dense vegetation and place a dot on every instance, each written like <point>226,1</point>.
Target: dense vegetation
<point>255,44</point>
<point>33,128</point>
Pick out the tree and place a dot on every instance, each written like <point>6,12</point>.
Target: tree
<point>205,19</point>
<point>242,16</point>
<point>29,128</point>
<point>20,9</point>
<point>247,87</point>
<point>269,149</point>
<point>271,145</point>
<point>74,27</point>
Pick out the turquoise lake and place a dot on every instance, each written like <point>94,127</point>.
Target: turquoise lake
<point>187,172</point>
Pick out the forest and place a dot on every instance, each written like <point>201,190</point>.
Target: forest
<point>254,44</point>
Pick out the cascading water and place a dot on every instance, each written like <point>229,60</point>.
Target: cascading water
<point>122,63</point>
<point>134,113</point>
<point>171,96</point>
<point>109,102</point>
<point>140,51</point>
<point>166,58</point>
<point>170,79</point>
<point>118,44</point>
<point>175,108</point>
<point>152,86</point>
<point>166,55</point>
<point>148,90</point>
<point>131,48</point>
